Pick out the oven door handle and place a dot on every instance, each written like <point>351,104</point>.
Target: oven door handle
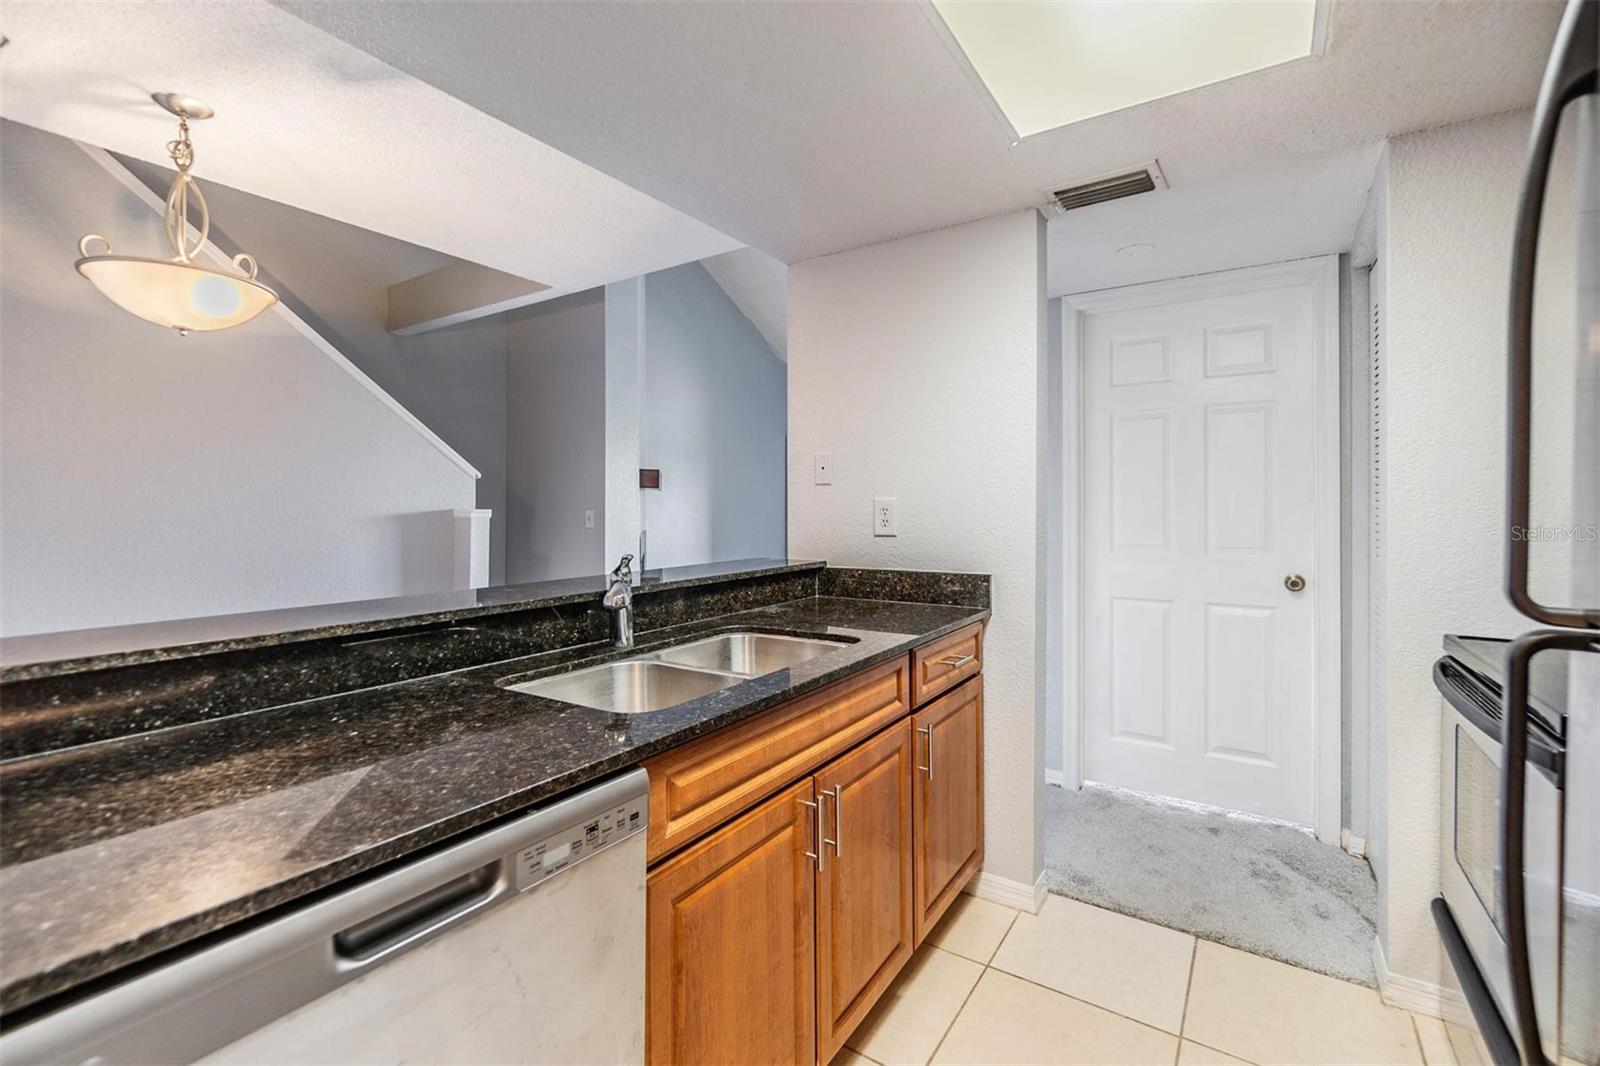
<point>1513,803</point>
<point>1571,74</point>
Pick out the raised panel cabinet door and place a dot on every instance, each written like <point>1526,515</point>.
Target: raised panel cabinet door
<point>731,933</point>
<point>948,800</point>
<point>865,930</point>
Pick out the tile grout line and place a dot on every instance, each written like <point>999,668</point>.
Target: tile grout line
<point>1086,1002</point>
<point>957,1015</point>
<point>984,967</point>
<point>1416,1032</point>
<point>1089,1002</point>
<point>964,1001</point>
<point>1012,924</point>
<point>1219,1051</point>
<point>1188,987</point>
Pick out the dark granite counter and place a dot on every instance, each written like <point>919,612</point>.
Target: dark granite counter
<point>54,654</point>
<point>131,845</point>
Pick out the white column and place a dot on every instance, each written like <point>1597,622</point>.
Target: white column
<point>472,547</point>
<point>625,333</point>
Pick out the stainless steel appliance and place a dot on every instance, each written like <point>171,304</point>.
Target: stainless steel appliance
<point>1562,922</point>
<point>1519,911</point>
<point>521,944</point>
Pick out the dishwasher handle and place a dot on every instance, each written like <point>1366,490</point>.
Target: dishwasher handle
<point>430,912</point>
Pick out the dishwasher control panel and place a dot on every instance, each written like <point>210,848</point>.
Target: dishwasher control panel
<point>562,849</point>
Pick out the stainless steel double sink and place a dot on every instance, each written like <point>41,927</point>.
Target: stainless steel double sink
<point>678,673</point>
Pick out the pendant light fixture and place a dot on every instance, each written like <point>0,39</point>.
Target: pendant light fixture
<point>178,292</point>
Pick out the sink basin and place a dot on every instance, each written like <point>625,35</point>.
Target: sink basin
<point>628,687</point>
<point>750,654</point>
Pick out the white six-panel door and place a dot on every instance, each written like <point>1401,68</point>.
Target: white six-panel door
<point>1199,467</point>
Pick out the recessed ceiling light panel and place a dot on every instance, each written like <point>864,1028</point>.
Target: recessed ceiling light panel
<point>1055,62</point>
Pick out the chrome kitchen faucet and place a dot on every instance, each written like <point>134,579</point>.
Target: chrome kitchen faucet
<point>619,601</point>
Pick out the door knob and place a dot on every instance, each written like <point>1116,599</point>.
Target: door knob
<point>1294,582</point>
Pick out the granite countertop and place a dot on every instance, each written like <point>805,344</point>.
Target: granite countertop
<point>54,654</point>
<point>118,850</point>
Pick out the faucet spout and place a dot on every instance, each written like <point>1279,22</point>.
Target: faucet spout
<point>618,599</point>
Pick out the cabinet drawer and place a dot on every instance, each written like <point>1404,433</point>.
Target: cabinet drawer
<point>944,664</point>
<point>696,787</point>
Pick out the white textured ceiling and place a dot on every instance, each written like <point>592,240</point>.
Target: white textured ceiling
<point>804,129</point>
<point>308,120</point>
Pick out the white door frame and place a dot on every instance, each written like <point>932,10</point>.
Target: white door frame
<point>1321,274</point>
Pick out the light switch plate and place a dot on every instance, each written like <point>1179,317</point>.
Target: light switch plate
<point>883,517</point>
<point>588,520</point>
<point>823,462</point>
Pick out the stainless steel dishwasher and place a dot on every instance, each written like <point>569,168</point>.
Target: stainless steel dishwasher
<point>521,944</point>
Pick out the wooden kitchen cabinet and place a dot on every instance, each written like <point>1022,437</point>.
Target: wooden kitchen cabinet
<point>865,930</point>
<point>943,664</point>
<point>799,857</point>
<point>730,971</point>
<point>695,788</point>
<point>948,829</point>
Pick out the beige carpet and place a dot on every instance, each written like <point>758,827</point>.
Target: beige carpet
<point>1268,889</point>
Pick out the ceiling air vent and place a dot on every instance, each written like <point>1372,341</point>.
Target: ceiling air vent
<point>1098,190</point>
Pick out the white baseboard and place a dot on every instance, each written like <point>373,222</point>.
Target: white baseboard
<point>1056,778</point>
<point>1008,893</point>
<point>1353,844</point>
<point>1421,997</point>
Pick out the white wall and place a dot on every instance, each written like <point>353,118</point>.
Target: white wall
<point>148,476</point>
<point>713,424</point>
<point>624,345</point>
<point>336,277</point>
<point>556,438</point>
<point>1446,208</point>
<point>917,363</point>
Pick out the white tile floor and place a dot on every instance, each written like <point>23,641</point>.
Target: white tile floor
<point>1077,984</point>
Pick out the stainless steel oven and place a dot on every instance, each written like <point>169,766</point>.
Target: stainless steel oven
<point>1471,816</point>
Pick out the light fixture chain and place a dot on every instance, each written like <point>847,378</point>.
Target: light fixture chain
<point>181,150</point>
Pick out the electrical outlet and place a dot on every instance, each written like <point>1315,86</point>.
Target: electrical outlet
<point>883,517</point>
<point>823,462</point>
<point>588,520</point>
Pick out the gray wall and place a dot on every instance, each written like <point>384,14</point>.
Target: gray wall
<point>715,409</point>
<point>1055,534</point>
<point>336,277</point>
<point>148,476</point>
<point>556,438</point>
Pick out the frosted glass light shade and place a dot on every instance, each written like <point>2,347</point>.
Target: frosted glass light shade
<point>181,296</point>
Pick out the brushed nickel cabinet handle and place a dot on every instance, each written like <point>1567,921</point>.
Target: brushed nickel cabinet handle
<point>955,661</point>
<point>818,856</point>
<point>838,835</point>
<point>927,731</point>
<point>822,836</point>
